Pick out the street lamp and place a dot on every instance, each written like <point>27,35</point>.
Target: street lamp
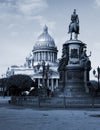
<point>45,75</point>
<point>96,73</point>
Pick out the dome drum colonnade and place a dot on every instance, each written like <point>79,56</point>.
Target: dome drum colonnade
<point>44,55</point>
<point>46,50</point>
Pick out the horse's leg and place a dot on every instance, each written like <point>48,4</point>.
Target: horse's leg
<point>75,36</point>
<point>71,36</point>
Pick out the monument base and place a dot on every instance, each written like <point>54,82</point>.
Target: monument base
<point>75,89</point>
<point>74,83</point>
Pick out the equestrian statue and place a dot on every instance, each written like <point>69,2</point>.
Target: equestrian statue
<point>74,25</point>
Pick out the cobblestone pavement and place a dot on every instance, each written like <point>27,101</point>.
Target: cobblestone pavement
<point>20,118</point>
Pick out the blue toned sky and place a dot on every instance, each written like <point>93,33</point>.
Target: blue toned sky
<point>22,21</point>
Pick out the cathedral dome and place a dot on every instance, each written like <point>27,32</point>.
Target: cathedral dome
<point>44,40</point>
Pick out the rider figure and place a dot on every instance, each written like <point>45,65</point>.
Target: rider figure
<point>75,21</point>
<point>74,17</point>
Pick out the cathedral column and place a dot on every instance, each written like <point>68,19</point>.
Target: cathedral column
<point>48,83</point>
<point>56,83</point>
<point>40,56</point>
<point>53,57</point>
<point>37,56</point>
<point>48,56</point>
<point>44,55</point>
<point>38,83</point>
<point>52,85</point>
<point>34,56</point>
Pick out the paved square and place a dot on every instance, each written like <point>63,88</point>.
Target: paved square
<point>19,118</point>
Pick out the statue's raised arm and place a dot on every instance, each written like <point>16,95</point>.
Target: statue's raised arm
<point>74,25</point>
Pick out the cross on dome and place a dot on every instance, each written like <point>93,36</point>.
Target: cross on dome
<point>45,28</point>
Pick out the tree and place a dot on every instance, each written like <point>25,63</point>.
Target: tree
<point>16,84</point>
<point>3,86</point>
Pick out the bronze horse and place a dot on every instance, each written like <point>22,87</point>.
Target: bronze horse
<point>74,28</point>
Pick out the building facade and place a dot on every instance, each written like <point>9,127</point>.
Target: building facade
<point>42,64</point>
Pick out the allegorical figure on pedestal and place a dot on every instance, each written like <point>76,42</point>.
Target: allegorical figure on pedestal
<point>85,60</point>
<point>64,59</point>
<point>74,25</point>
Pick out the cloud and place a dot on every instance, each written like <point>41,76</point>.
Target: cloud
<point>28,7</point>
<point>24,11</point>
<point>11,26</point>
<point>17,13</point>
<point>97,2</point>
<point>25,7</point>
<point>14,34</point>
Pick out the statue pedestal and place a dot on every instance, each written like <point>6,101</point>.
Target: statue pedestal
<point>74,67</point>
<point>74,85</point>
<point>74,74</point>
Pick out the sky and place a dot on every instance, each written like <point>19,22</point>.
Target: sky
<point>22,21</point>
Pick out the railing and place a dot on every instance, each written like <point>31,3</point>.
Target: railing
<point>56,102</point>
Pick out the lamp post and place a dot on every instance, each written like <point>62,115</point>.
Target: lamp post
<point>96,73</point>
<point>41,92</point>
<point>45,75</point>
